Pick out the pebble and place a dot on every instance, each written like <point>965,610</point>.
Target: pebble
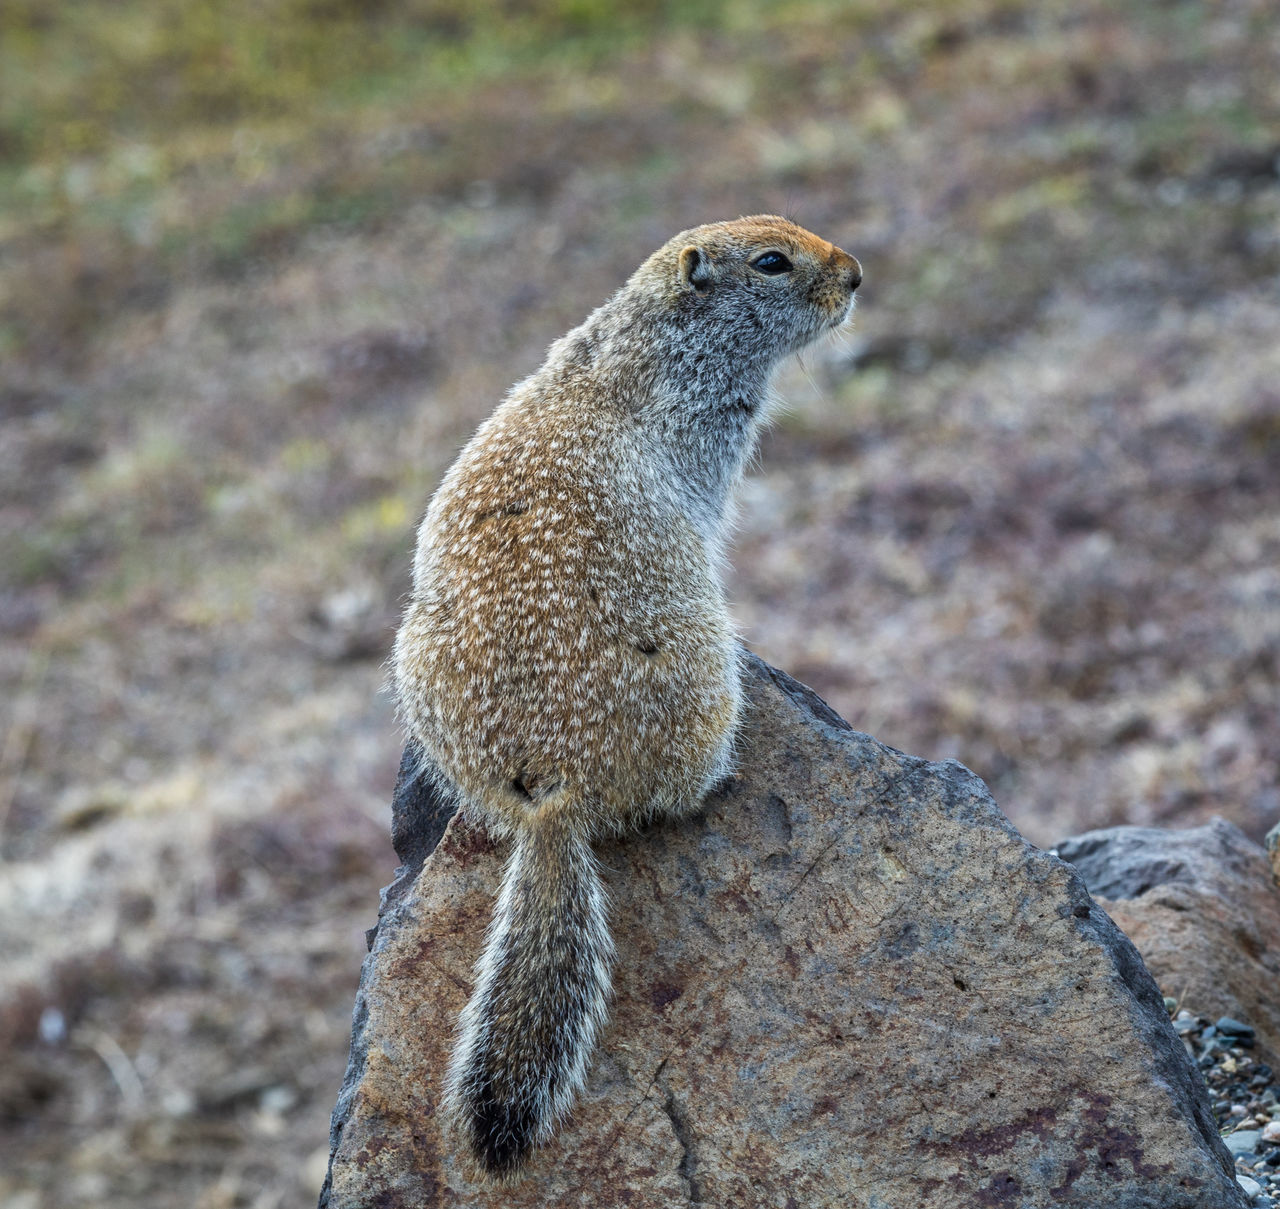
<point>52,1027</point>
<point>1251,1187</point>
<point>1232,1028</point>
<point>1185,1022</point>
<point>1242,1140</point>
<point>1272,1132</point>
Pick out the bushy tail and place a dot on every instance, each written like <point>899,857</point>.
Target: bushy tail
<point>542,989</point>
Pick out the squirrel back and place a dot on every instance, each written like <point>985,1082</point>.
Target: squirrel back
<point>567,661</point>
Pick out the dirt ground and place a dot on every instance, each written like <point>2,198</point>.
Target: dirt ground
<point>1026,514</point>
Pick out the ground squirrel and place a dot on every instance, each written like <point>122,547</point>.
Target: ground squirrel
<point>566,662</point>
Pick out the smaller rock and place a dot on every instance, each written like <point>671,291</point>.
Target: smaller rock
<point>1251,1187</point>
<point>1242,1140</point>
<point>1203,908</point>
<point>1271,1133</point>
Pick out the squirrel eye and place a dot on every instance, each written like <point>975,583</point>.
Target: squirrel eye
<point>771,264</point>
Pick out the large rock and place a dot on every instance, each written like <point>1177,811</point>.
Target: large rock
<point>1203,909</point>
<point>848,982</point>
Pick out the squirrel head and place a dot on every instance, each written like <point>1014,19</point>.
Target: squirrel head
<point>762,284</point>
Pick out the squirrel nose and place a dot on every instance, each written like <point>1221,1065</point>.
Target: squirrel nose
<point>855,273</point>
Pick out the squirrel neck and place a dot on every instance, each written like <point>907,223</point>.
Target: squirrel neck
<point>697,400</point>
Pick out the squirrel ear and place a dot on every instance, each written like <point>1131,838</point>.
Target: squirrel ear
<point>696,270</point>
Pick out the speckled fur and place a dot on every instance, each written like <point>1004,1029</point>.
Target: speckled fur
<point>567,661</point>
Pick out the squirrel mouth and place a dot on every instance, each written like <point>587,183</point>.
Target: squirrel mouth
<point>844,314</point>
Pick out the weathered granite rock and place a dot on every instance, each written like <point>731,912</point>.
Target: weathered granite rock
<point>848,982</point>
<point>1203,909</point>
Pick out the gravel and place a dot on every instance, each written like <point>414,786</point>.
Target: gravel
<point>1245,1095</point>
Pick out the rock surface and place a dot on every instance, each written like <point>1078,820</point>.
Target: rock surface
<point>1203,909</point>
<point>848,981</point>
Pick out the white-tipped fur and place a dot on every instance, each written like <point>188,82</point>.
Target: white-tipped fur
<point>523,968</point>
<point>567,662</point>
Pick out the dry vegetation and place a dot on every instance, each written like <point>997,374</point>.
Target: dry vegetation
<point>264,265</point>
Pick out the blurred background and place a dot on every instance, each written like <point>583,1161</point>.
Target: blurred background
<point>264,264</point>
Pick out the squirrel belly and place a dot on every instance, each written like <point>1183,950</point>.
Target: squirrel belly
<point>567,661</point>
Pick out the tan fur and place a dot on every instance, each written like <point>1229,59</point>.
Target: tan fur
<point>567,663</point>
